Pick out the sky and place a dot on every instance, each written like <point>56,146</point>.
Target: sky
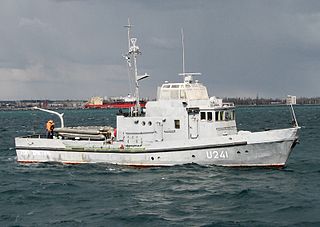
<point>73,49</point>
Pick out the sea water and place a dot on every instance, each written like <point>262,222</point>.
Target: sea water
<point>187,195</point>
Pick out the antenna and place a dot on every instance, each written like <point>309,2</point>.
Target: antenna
<point>188,77</point>
<point>129,26</point>
<point>182,42</point>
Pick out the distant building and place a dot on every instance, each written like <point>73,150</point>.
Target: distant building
<point>96,100</point>
<point>291,100</point>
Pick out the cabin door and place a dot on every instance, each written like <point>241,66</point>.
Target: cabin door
<point>158,131</point>
<point>193,125</point>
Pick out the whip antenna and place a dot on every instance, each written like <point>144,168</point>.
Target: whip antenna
<point>182,42</point>
<point>129,26</point>
<point>188,77</point>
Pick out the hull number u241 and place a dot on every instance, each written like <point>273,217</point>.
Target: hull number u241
<point>217,154</point>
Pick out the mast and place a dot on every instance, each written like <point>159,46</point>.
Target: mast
<point>129,26</point>
<point>133,52</point>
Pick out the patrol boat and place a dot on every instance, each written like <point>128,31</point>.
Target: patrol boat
<point>184,125</point>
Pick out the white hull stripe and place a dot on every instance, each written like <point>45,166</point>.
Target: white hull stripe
<point>136,150</point>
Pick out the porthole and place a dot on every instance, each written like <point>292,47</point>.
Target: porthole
<point>246,151</point>
<point>193,156</point>
<point>238,152</point>
<point>152,158</point>
<point>149,123</point>
<point>143,123</point>
<point>136,122</point>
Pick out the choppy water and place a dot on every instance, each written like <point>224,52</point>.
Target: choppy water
<point>189,195</point>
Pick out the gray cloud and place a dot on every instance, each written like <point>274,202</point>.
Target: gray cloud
<point>60,49</point>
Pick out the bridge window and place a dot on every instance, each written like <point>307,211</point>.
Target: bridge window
<point>177,124</point>
<point>217,115</point>
<point>202,115</point>
<point>206,116</point>
<point>226,115</point>
<point>221,116</point>
<point>183,91</point>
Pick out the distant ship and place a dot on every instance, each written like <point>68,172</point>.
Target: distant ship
<point>113,102</point>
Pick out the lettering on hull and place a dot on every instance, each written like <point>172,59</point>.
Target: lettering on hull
<point>217,155</point>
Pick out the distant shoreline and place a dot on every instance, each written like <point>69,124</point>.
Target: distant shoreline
<point>79,104</point>
<point>78,108</point>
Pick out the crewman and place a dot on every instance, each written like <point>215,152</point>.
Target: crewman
<point>49,129</point>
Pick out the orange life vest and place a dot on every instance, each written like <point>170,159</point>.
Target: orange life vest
<point>50,126</point>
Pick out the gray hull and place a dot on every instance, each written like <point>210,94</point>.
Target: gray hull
<point>245,150</point>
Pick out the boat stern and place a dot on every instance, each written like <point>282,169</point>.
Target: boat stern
<point>34,148</point>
